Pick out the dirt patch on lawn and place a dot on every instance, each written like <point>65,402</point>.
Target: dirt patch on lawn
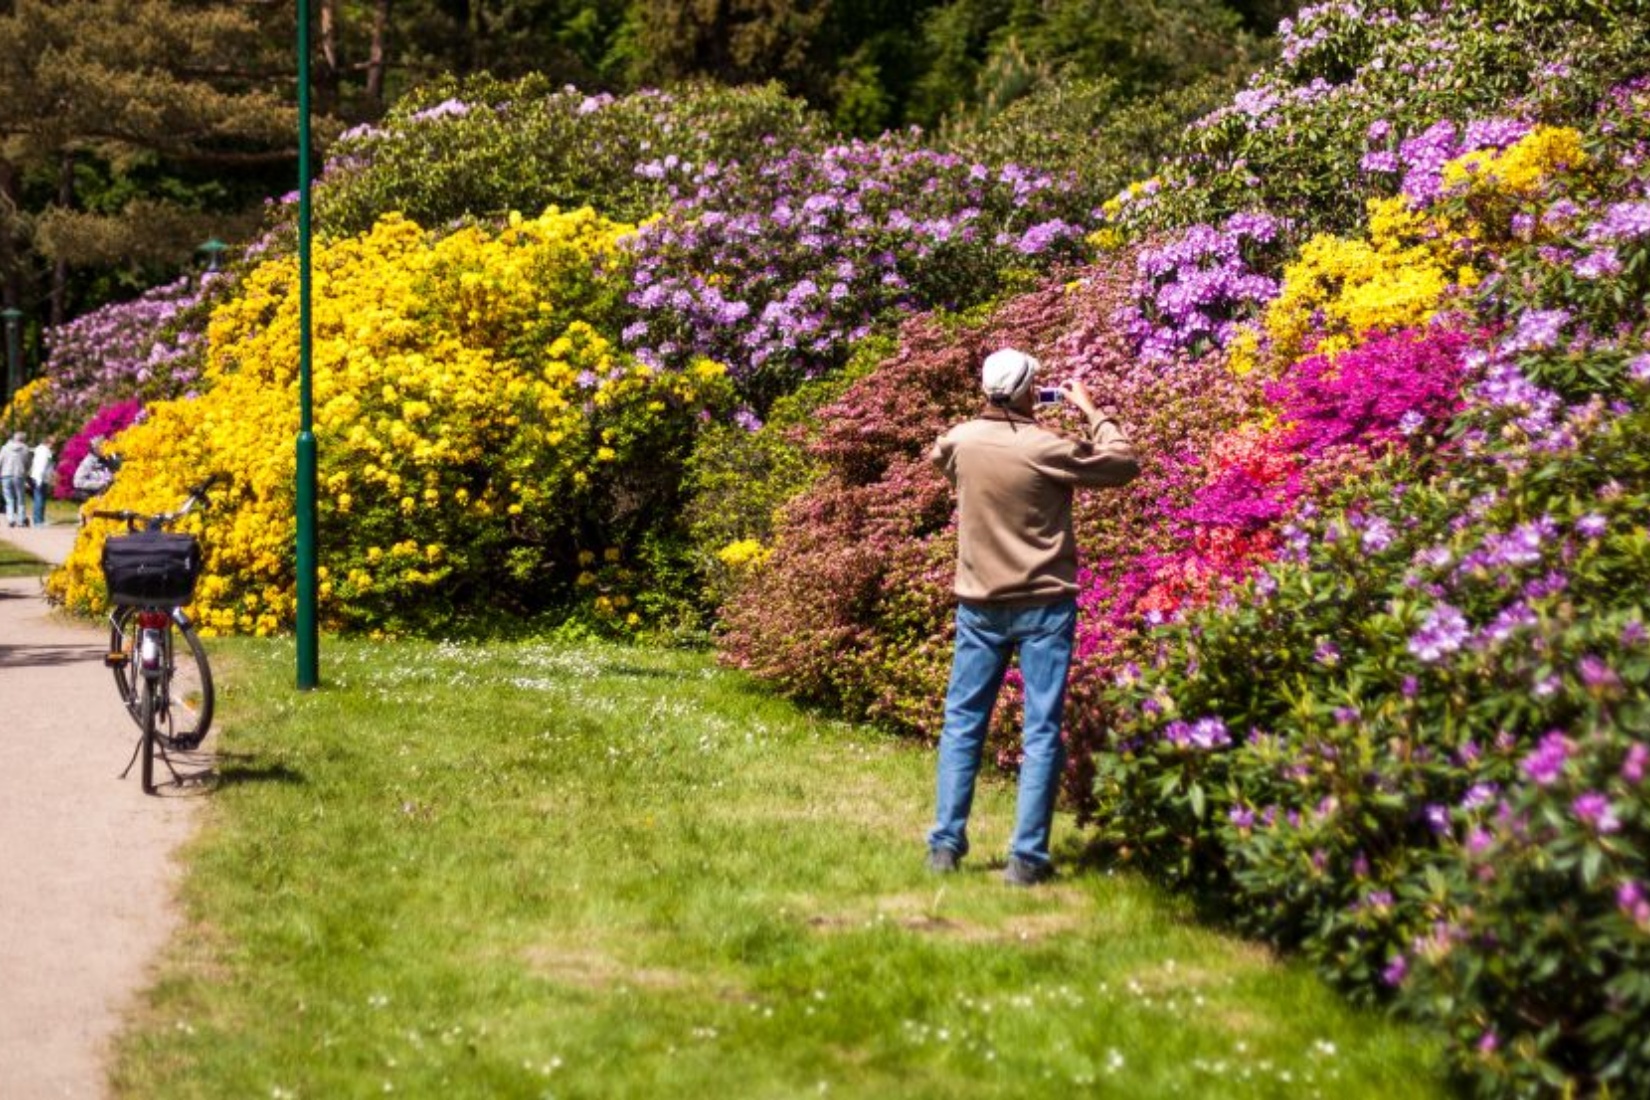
<point>591,968</point>
<point>1060,910</point>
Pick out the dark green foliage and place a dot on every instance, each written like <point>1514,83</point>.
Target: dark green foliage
<point>984,54</point>
<point>479,147</point>
<point>1088,127</point>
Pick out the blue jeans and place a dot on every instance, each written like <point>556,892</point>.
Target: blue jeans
<point>40,492</point>
<point>986,638</point>
<point>16,499</point>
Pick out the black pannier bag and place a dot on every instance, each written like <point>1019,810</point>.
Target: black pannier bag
<point>153,568</point>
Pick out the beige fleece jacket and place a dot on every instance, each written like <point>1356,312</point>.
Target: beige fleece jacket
<point>1014,484</point>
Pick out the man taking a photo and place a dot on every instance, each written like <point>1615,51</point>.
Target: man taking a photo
<point>1016,587</point>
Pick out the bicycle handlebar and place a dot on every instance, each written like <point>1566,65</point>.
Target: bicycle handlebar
<point>155,521</point>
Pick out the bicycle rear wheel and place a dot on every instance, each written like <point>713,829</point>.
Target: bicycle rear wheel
<point>185,710</point>
<point>123,640</point>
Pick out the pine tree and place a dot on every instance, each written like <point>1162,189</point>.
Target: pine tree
<point>125,128</point>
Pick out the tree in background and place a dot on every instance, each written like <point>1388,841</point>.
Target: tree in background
<point>369,52</point>
<point>980,56</point>
<point>130,131</point>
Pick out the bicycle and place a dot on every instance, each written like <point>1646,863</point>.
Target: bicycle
<point>166,687</point>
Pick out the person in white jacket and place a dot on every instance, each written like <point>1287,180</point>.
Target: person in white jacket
<point>43,472</point>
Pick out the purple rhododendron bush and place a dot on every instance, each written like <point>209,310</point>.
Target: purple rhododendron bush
<point>103,366</point>
<point>778,267</point>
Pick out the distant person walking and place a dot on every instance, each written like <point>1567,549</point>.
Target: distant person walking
<point>14,473</point>
<point>1016,587</point>
<point>43,475</point>
<point>95,471</point>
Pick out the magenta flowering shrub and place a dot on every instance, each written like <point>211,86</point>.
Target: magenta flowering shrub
<point>108,422</point>
<point>776,268</point>
<point>148,347</point>
<point>1389,387</point>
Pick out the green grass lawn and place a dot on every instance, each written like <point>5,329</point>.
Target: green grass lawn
<point>525,870</point>
<point>16,562</point>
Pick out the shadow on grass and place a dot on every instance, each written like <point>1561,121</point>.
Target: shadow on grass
<point>195,772</point>
<point>639,672</point>
<point>1207,891</point>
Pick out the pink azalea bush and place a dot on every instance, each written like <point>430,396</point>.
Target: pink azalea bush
<point>107,422</point>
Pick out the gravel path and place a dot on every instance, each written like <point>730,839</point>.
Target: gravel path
<point>87,867</point>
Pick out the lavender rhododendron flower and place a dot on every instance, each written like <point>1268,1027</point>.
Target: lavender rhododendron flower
<point>136,349</point>
<point>1631,900</point>
<point>1602,263</point>
<point>1538,328</point>
<point>1192,290</point>
<point>1546,763</point>
<point>1622,221</point>
<point>1593,809</point>
<point>1206,733</point>
<point>774,269</point>
<point>1596,673</point>
<point>1443,631</point>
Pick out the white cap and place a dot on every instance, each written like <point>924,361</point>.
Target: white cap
<point>1008,373</point>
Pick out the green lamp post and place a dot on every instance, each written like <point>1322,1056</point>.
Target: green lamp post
<point>309,675</point>
<point>14,350</point>
<point>213,249</point>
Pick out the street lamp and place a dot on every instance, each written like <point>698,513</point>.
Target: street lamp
<point>14,351</point>
<point>309,675</point>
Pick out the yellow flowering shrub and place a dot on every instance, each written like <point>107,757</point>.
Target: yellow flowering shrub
<point>475,429</point>
<point>744,554</point>
<point>1337,289</point>
<point>1487,188</point>
<point>1521,170</point>
<point>1411,259</point>
<point>20,409</point>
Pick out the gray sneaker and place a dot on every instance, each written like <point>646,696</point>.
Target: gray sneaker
<point>1020,872</point>
<point>943,861</point>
